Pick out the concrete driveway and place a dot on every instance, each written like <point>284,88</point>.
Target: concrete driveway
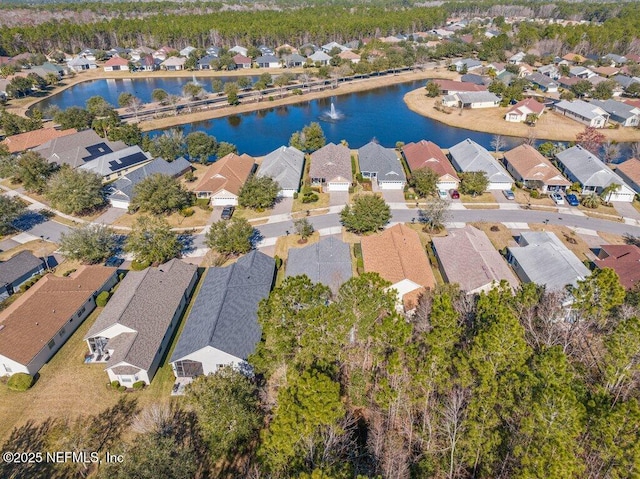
<point>49,231</point>
<point>338,198</point>
<point>110,216</point>
<point>503,202</point>
<point>283,206</point>
<point>395,198</point>
<point>626,209</point>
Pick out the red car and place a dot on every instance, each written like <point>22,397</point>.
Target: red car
<point>454,194</point>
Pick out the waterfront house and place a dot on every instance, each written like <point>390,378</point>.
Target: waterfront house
<point>118,163</point>
<point>468,156</point>
<point>426,154</point>
<point>583,167</point>
<point>381,165</point>
<point>268,61</point>
<point>583,112</point>
<point>621,113</point>
<point>116,63</point>
<point>222,180</point>
<point>32,139</point>
<point>205,62</point>
<point>242,61</point>
<point>519,112</point>
<point>451,87</point>
<point>16,271</point>
<point>331,168</point>
<point>133,331</point>
<point>629,171</point>
<point>327,262</point>
<point>533,170</point>
<point>477,99</point>
<point>467,64</point>
<point>41,320</point>
<point>294,60</point>
<point>80,64</point>
<point>285,165</point>
<point>77,148</point>
<point>350,56</point>
<point>320,58</point>
<point>222,327</point>
<point>173,64</point>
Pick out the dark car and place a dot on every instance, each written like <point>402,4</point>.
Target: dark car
<point>454,194</point>
<point>227,212</point>
<point>572,200</point>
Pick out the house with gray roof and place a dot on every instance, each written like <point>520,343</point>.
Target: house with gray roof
<point>382,165</point>
<point>320,57</point>
<point>117,163</point>
<point>467,64</point>
<point>477,99</point>
<point>615,59</point>
<point>134,330</point>
<point>18,270</point>
<point>468,156</point>
<point>222,327</point>
<point>582,166</point>
<point>622,113</point>
<point>205,62</point>
<point>294,60</point>
<point>285,165</point>
<point>78,148</point>
<point>625,81</point>
<point>331,168</point>
<point>327,262</point>
<point>268,61</point>
<point>586,113</point>
<point>121,191</point>
<point>550,71</point>
<point>542,258</point>
<point>543,82</point>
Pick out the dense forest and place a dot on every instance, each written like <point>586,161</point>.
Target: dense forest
<point>501,385</point>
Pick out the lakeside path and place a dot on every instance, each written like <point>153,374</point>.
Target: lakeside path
<point>550,126</point>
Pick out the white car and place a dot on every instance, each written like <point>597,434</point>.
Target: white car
<point>557,198</point>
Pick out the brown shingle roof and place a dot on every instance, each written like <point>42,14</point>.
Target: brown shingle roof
<point>426,154</point>
<point>332,162</point>
<point>397,254</point>
<point>630,169</point>
<point>531,165</point>
<point>30,139</point>
<point>624,260</point>
<point>228,173</point>
<point>532,104</point>
<point>455,86</point>
<point>574,57</point>
<point>35,318</point>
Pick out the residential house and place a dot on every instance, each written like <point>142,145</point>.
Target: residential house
<point>213,51</point>
<point>580,72</point>
<point>118,163</point>
<point>543,259</point>
<point>122,191</point>
<point>116,63</point>
<point>543,82</point>
<point>451,87</point>
<point>497,67</point>
<point>268,61</point>
<point>615,59</point>
<point>381,165</point>
<point>327,262</point>
<point>16,271</point>
<point>137,53</point>
<point>531,168</point>
<point>205,62</point>
<point>331,45</point>
<point>467,64</point>
<point>583,112</point>
<point>242,61</point>
<point>186,51</point>
<point>77,148</point>
<point>331,168</point>
<point>39,322</point>
<point>506,77</point>
<point>79,64</point>
<point>285,49</point>
<point>467,257</point>
<point>173,64</point>
<point>350,56</point>
<point>147,64</point>
<point>31,139</point>
<point>582,166</point>
<point>574,58</point>
<point>550,71</point>
<point>606,71</point>
<point>397,256</point>
<point>629,171</point>
<point>285,165</point>
<point>517,58</point>
<point>294,60</point>
<point>477,99</point>
<point>222,180</point>
<point>238,49</point>
<point>426,154</point>
<point>222,327</point>
<point>621,113</point>
<point>624,260</point>
<point>133,331</point>
<point>320,58</point>
<point>519,112</point>
<point>625,81</point>
<point>265,50</point>
<point>468,156</point>
<point>568,82</point>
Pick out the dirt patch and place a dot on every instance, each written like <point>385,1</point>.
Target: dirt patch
<point>284,243</point>
<point>37,247</point>
<point>486,197</point>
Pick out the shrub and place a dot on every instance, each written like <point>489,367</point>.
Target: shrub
<point>352,189</point>
<point>139,265</point>
<point>295,195</point>
<point>20,382</point>
<point>67,273</point>
<point>102,299</point>
<point>534,194</point>
<point>310,198</point>
<point>278,260</point>
<point>186,212</point>
<point>115,384</point>
<point>121,276</point>
<point>122,389</point>
<point>138,385</point>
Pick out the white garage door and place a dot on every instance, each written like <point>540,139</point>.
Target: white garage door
<point>338,187</point>
<point>224,201</point>
<point>447,185</point>
<point>286,193</point>
<point>391,185</point>
<point>500,186</point>
<point>626,197</point>
<point>120,204</point>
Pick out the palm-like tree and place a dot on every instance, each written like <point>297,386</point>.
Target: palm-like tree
<point>591,201</point>
<point>607,191</point>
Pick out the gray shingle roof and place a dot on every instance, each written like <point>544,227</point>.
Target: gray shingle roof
<point>145,303</point>
<point>582,108</point>
<point>587,168</point>
<point>541,79</point>
<point>267,59</point>
<point>616,109</point>
<point>545,260</point>
<point>331,162</point>
<point>327,262</point>
<point>78,148</point>
<point>469,97</point>
<point>624,80</point>
<point>17,266</point>
<point>285,166</point>
<point>124,186</point>
<point>224,314</point>
<point>469,156</point>
<point>375,158</point>
<point>110,163</point>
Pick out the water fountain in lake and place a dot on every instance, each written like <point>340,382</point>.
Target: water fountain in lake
<point>332,115</point>
<point>195,81</point>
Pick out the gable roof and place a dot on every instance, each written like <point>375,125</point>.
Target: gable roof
<point>426,154</point>
<point>145,304</point>
<point>124,187</point>
<point>541,79</point>
<point>587,168</point>
<point>582,108</point>
<point>31,139</point>
<point>469,156</point>
<point>471,97</point>
<point>624,260</point>
<point>617,109</point>
<point>397,254</point>
<point>320,56</point>
<point>17,266</point>
<point>118,160</point>
<point>469,259</point>
<point>267,59</point>
<point>38,314</point>
<point>458,86</point>
<point>78,148</point>
<point>116,61</point>
<point>375,158</point>
<point>530,164</point>
<point>283,165</point>
<point>527,106</point>
<point>229,173</point>
<point>332,162</point>
<point>224,314</point>
<point>174,62</point>
<point>631,170</point>
<point>327,262</point>
<point>545,260</point>
<point>240,59</point>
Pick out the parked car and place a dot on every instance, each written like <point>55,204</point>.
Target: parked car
<point>572,200</point>
<point>442,194</point>
<point>227,212</point>
<point>508,194</point>
<point>454,194</point>
<point>557,198</point>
